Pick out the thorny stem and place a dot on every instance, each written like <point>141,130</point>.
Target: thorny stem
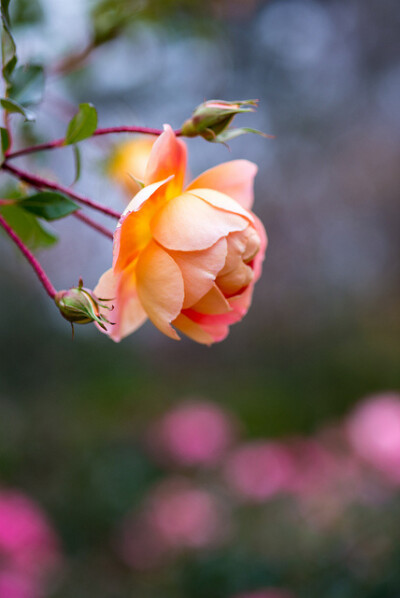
<point>50,290</point>
<point>40,183</point>
<point>93,224</point>
<point>106,131</point>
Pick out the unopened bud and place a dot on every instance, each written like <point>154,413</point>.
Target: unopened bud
<point>213,117</point>
<point>79,305</point>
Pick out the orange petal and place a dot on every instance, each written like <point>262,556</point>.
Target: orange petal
<point>133,231</point>
<point>168,156</point>
<point>192,330</point>
<point>160,287</point>
<point>199,269</point>
<point>187,223</point>
<point>222,202</point>
<point>232,282</point>
<point>235,178</point>
<point>217,327</point>
<point>259,258</point>
<point>212,303</point>
<point>126,316</point>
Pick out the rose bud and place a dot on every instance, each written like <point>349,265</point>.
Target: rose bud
<point>212,119</point>
<point>79,305</point>
<point>186,258</point>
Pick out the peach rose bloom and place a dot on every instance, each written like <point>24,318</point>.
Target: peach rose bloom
<point>130,158</point>
<point>187,259</point>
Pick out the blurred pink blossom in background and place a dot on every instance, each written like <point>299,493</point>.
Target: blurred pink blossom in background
<point>29,550</point>
<point>374,433</point>
<point>260,469</point>
<point>177,516</point>
<point>194,433</point>
<point>184,515</point>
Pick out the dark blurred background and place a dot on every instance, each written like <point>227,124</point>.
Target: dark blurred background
<point>323,331</point>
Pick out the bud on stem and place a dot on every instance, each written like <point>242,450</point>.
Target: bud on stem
<point>79,305</point>
<point>212,119</point>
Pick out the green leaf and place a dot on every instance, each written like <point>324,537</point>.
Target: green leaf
<point>27,83</point>
<point>5,143</point>
<point>77,161</point>
<point>12,106</point>
<point>82,125</point>
<point>27,227</point>
<point>26,12</point>
<point>48,205</point>
<point>232,133</point>
<point>8,48</point>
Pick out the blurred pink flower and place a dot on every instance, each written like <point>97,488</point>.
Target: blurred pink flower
<point>319,468</point>
<point>15,585</point>
<point>374,433</point>
<point>194,433</point>
<point>267,593</point>
<point>186,516</point>
<point>176,516</point>
<point>260,469</point>
<point>29,550</point>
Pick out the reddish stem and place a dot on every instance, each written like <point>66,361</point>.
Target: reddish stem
<point>50,290</point>
<point>106,131</point>
<point>40,182</point>
<point>93,224</point>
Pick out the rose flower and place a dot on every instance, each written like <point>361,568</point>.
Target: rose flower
<point>185,259</point>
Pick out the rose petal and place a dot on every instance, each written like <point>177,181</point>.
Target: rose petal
<point>259,258</point>
<point>133,231</point>
<point>187,223</point>
<point>215,326</point>
<point>200,269</point>
<point>168,156</point>
<point>212,303</point>
<point>235,179</point>
<point>192,330</point>
<point>160,287</point>
<point>127,316</point>
<point>232,282</point>
<point>222,202</point>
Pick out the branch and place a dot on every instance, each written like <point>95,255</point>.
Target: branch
<point>93,224</point>
<point>40,183</point>
<point>50,290</point>
<point>61,142</point>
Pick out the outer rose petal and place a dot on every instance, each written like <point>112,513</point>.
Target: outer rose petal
<point>160,287</point>
<point>212,303</point>
<point>168,156</point>
<point>187,223</point>
<point>133,231</point>
<point>192,330</point>
<point>127,317</point>
<point>200,269</point>
<point>235,179</point>
<point>259,258</point>
<point>222,202</point>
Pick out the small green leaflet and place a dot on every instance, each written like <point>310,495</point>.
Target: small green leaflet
<point>26,85</point>
<point>77,162</point>
<point>8,48</point>
<point>12,106</point>
<point>28,227</point>
<point>5,143</point>
<point>82,125</point>
<point>48,205</point>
